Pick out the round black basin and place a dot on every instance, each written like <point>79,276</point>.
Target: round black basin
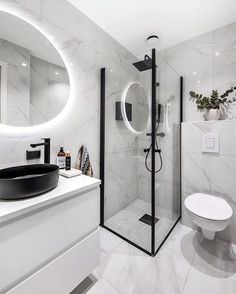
<point>27,180</point>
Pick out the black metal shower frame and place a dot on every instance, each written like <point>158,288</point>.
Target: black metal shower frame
<point>153,252</point>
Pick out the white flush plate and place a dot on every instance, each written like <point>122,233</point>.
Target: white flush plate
<point>210,143</point>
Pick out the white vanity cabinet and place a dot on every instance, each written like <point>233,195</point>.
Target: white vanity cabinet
<point>50,243</point>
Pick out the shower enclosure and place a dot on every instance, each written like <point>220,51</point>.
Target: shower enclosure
<point>140,137</point>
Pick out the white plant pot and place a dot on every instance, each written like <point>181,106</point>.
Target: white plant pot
<point>212,114</point>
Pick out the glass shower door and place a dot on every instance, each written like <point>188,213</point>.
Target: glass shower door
<point>168,179</point>
<point>139,154</point>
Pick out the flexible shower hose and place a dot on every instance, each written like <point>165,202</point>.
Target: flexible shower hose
<point>159,152</point>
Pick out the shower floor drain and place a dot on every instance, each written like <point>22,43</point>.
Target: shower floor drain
<point>147,219</point>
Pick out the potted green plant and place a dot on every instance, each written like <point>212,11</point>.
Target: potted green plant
<point>213,105</point>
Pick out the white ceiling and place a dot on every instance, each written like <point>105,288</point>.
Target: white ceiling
<point>130,22</point>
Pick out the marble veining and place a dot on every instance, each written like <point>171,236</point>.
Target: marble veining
<point>16,104</point>
<point>210,173</point>
<point>212,59</point>
<point>48,92</point>
<point>186,264</point>
<point>85,48</point>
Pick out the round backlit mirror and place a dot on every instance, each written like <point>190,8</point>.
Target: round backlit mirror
<point>34,83</point>
<point>135,108</point>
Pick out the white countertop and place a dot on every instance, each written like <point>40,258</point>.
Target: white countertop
<point>67,187</point>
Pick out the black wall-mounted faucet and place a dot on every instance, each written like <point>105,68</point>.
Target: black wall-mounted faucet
<point>47,148</point>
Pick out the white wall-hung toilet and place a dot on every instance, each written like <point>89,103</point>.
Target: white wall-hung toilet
<point>211,213</point>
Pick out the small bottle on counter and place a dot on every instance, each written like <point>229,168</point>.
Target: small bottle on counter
<point>61,158</point>
<point>68,160</point>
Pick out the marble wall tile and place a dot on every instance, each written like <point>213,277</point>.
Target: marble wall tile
<point>121,148</point>
<point>48,92</point>
<point>192,60</point>
<point>215,69</point>
<point>35,94</point>
<point>206,62</point>
<point>16,103</point>
<point>167,180</point>
<point>224,56</point>
<point>85,48</point>
<point>210,173</point>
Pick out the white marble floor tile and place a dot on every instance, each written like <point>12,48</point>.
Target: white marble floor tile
<point>198,282</point>
<point>108,242</point>
<point>102,287</point>
<point>213,269</point>
<point>184,241</point>
<point>216,258</point>
<point>124,256</point>
<point>186,264</point>
<point>164,274</point>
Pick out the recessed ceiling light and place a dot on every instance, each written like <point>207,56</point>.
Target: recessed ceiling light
<point>153,39</point>
<point>194,73</point>
<point>23,64</point>
<point>198,82</point>
<point>56,73</point>
<point>217,53</point>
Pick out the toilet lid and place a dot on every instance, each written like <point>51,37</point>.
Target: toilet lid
<point>208,206</point>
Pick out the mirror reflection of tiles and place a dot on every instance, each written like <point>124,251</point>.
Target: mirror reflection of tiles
<point>117,158</point>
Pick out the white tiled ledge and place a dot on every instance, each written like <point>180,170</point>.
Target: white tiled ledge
<point>65,189</point>
<point>209,121</point>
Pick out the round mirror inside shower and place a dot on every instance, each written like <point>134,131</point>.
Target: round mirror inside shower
<point>135,107</point>
<point>34,83</point>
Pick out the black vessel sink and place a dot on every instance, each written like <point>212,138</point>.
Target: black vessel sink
<point>27,180</point>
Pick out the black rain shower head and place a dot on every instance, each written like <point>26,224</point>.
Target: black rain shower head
<point>144,64</point>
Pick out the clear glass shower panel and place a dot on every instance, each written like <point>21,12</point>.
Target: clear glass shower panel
<point>127,203</point>
<point>142,111</point>
<point>167,189</point>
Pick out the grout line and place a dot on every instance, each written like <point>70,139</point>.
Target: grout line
<point>191,265</point>
<point>91,288</point>
<point>114,287</point>
<point>111,284</point>
<point>186,279</point>
<point>115,237</point>
<point>108,254</point>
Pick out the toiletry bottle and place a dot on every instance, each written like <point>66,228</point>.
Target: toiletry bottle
<point>68,160</point>
<point>61,161</point>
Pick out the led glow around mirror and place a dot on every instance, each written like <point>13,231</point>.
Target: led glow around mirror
<point>135,94</point>
<point>34,82</point>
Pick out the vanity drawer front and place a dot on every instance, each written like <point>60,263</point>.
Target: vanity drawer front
<point>30,242</point>
<point>64,273</point>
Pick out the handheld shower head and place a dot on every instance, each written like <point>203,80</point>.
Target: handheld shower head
<point>162,134</point>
